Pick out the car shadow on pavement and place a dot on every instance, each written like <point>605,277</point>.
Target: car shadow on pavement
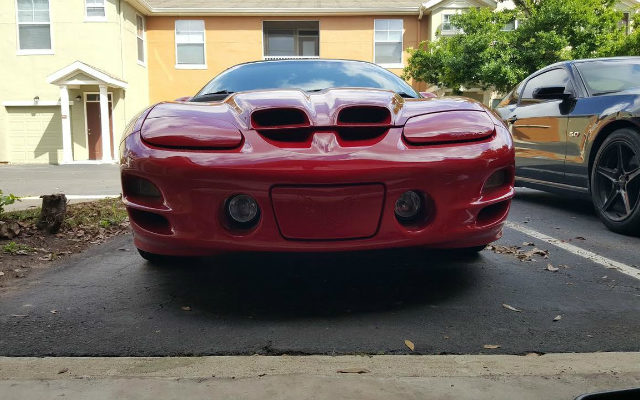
<point>571,203</point>
<point>294,285</point>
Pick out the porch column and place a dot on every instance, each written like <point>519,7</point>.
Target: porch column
<point>67,150</point>
<point>104,124</point>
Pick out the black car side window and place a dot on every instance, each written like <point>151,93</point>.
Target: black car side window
<point>512,98</point>
<point>556,77</point>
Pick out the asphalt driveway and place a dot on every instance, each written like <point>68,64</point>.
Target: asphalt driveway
<point>109,301</point>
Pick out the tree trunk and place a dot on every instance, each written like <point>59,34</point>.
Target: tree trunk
<point>54,208</point>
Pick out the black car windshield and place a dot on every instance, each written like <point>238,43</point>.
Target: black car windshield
<point>610,76</point>
<point>307,75</point>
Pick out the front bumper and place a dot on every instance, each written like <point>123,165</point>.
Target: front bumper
<point>196,184</point>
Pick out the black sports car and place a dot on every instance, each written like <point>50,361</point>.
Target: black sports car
<point>576,128</point>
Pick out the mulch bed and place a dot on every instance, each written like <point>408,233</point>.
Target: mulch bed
<point>85,225</point>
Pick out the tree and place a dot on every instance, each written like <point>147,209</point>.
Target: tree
<point>486,55</point>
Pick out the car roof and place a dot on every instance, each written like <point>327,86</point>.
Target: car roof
<point>303,60</point>
<point>586,60</point>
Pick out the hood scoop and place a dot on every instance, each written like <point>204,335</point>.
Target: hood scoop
<point>279,118</point>
<point>352,126</point>
<point>364,116</point>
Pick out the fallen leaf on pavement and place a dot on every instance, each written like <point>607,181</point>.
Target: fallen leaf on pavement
<point>185,308</point>
<point>528,244</point>
<point>580,238</point>
<point>353,371</point>
<point>491,346</point>
<point>53,311</point>
<point>410,345</point>
<point>557,318</point>
<point>512,308</point>
<point>63,370</point>
<point>48,257</point>
<point>1,273</point>
<point>552,268</point>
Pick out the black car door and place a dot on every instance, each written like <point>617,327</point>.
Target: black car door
<point>539,128</point>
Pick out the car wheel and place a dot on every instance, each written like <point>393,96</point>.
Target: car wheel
<point>472,250</point>
<point>615,182</point>
<point>154,258</point>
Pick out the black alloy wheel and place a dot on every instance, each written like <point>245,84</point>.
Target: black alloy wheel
<point>615,182</point>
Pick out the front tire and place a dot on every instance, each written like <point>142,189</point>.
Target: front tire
<point>615,182</point>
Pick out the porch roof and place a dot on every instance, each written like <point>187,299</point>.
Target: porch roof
<point>79,73</point>
<point>278,7</point>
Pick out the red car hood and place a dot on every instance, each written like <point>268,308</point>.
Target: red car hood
<point>321,107</point>
<point>220,123</point>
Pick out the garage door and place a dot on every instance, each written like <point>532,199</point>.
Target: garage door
<point>35,134</point>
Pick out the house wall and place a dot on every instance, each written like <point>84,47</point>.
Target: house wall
<point>233,40</point>
<point>109,46</point>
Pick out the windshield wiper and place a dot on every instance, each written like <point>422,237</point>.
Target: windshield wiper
<point>405,95</point>
<point>218,92</point>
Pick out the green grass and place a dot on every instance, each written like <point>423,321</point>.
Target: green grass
<point>15,248</point>
<point>96,214</point>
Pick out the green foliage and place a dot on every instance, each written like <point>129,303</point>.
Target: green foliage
<point>484,55</point>
<point>16,248</point>
<point>6,200</point>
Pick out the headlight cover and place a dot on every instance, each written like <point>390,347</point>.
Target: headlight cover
<point>448,127</point>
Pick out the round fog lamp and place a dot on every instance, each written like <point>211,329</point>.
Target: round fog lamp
<point>408,206</point>
<point>242,208</point>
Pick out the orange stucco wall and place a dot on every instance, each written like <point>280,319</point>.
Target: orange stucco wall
<point>233,40</point>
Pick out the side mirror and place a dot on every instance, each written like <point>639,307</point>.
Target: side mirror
<point>552,93</point>
<point>428,95</point>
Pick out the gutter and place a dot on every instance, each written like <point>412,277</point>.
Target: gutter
<point>143,6</point>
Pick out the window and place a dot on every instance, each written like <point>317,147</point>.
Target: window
<point>291,39</point>
<point>140,37</point>
<point>447,27</point>
<point>190,43</point>
<point>510,26</point>
<point>625,22</point>
<point>388,42</point>
<point>34,26</point>
<point>512,98</point>
<point>553,78</point>
<point>95,10</point>
<point>610,76</point>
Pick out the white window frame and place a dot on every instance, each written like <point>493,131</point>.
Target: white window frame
<point>264,44</point>
<point>93,18</point>
<point>144,40</point>
<point>204,45</point>
<point>27,52</point>
<point>453,30</point>
<point>515,26</point>
<point>389,65</point>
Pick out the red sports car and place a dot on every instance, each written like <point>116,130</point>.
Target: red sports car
<point>314,155</point>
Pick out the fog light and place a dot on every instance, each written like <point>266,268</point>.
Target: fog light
<point>243,209</point>
<point>496,180</point>
<point>408,206</point>
<point>140,187</point>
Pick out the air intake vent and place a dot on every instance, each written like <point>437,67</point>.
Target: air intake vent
<point>278,118</point>
<point>364,115</point>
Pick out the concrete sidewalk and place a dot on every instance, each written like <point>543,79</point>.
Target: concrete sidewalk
<point>552,376</point>
<point>79,182</point>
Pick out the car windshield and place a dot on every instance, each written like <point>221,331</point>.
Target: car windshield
<point>610,76</point>
<point>307,75</point>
